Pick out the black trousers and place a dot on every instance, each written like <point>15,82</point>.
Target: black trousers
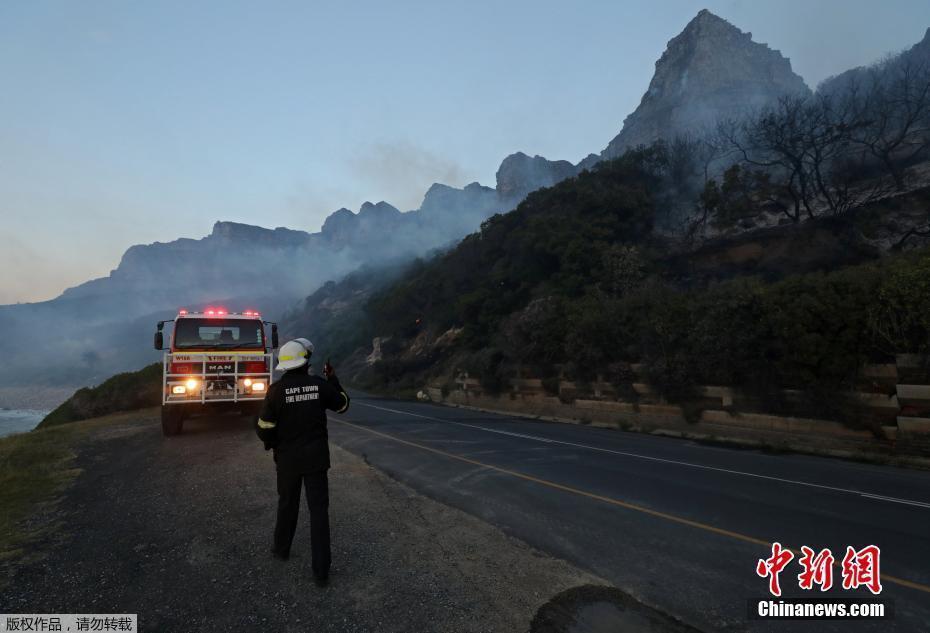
<point>317,485</point>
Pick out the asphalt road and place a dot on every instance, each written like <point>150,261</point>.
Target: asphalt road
<point>677,524</point>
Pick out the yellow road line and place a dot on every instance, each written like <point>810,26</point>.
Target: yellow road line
<point>610,500</point>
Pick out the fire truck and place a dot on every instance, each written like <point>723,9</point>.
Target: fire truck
<point>217,361</point>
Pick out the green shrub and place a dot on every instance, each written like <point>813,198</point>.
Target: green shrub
<point>900,319</point>
<point>122,392</point>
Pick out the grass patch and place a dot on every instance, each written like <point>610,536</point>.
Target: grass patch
<point>35,468</point>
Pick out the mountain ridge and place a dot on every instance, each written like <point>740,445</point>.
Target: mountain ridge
<point>917,55</point>
<point>238,260</point>
<point>448,213</point>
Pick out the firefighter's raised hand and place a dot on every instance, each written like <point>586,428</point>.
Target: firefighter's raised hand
<point>328,370</point>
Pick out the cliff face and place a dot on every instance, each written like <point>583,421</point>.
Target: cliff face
<point>710,71</point>
<point>446,214</point>
<point>519,174</point>
<point>234,259</point>
<point>442,201</point>
<point>238,259</point>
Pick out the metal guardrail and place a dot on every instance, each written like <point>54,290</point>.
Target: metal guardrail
<point>217,375</point>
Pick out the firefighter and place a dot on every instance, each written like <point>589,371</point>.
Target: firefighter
<point>293,424</point>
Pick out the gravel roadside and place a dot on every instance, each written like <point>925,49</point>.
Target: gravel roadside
<point>178,530</point>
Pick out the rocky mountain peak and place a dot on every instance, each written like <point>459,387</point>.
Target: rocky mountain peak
<point>919,53</point>
<point>709,71</point>
<point>337,223</point>
<point>520,174</point>
<point>707,23</point>
<point>238,232</point>
<point>343,227</point>
<point>380,209</point>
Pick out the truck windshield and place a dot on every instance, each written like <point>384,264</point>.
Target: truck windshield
<point>218,334</point>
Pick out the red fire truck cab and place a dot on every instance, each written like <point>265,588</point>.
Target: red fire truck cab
<point>216,361</point>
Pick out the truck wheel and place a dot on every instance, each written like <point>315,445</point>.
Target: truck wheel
<point>172,420</point>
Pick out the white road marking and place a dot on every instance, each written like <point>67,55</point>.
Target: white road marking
<point>919,504</point>
<point>867,495</point>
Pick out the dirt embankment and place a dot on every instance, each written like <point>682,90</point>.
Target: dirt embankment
<point>178,530</point>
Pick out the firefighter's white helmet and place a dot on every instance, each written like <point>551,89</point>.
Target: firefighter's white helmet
<point>294,354</point>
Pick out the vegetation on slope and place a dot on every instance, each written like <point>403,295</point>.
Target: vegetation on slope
<point>122,392</point>
<point>575,281</point>
<point>558,241</point>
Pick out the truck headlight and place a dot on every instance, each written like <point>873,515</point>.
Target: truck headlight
<point>258,386</point>
<point>191,384</point>
<point>179,390</point>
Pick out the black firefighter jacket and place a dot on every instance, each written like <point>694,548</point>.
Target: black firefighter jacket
<point>293,420</point>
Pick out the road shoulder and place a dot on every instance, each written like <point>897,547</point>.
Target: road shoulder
<point>177,530</point>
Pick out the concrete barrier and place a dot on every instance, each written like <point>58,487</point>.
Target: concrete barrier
<point>725,394</point>
<point>910,361</point>
<point>879,401</point>
<point>914,395</point>
<point>914,426</point>
<point>877,391</point>
<point>790,432</point>
<point>643,389</point>
<point>884,372</point>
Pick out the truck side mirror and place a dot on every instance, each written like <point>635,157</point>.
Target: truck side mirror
<point>159,338</point>
<point>274,336</point>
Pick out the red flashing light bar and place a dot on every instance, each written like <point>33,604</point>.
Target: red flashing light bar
<point>218,312</point>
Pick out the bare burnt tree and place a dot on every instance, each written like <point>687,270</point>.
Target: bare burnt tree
<point>807,149</point>
<point>832,152</point>
<point>838,166</point>
<point>777,141</point>
<point>894,101</point>
<point>824,138</point>
<point>697,154</point>
<point>917,231</point>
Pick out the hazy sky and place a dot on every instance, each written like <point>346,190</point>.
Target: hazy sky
<point>129,122</point>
